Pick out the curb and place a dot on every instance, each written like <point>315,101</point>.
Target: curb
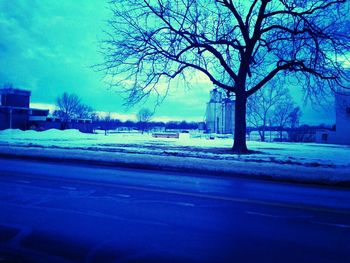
<point>196,171</point>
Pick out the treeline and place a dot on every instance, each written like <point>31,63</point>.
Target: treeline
<point>302,133</point>
<point>301,127</point>
<point>112,124</point>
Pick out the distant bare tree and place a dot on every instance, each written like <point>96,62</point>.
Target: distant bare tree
<point>239,45</point>
<point>286,114</point>
<point>106,122</point>
<point>7,85</point>
<point>95,117</point>
<point>262,106</point>
<point>144,115</point>
<point>295,133</point>
<point>70,106</point>
<point>84,111</point>
<point>294,117</point>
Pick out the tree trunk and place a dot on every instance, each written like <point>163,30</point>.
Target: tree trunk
<point>281,133</point>
<point>262,134</point>
<point>263,129</point>
<point>239,144</point>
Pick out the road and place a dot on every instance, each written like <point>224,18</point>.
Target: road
<point>61,212</point>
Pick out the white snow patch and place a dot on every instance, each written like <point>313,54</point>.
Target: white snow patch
<point>190,150</point>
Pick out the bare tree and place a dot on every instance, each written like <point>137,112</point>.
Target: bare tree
<point>239,45</point>
<point>262,106</point>
<point>286,114</point>
<point>294,117</point>
<point>84,111</point>
<point>70,106</point>
<point>106,122</point>
<point>143,117</point>
<point>7,85</point>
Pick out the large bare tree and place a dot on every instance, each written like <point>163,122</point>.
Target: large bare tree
<point>239,45</point>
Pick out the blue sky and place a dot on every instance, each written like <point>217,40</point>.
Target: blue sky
<point>49,46</point>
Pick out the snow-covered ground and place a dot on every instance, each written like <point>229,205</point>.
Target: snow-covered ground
<point>291,160</point>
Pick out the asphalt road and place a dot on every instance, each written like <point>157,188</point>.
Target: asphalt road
<point>56,212</point>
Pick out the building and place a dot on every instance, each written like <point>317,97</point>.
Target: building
<point>342,110</point>
<point>15,113</point>
<point>220,113</point>
<point>341,135</point>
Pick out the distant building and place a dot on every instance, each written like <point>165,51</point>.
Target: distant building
<point>341,135</point>
<point>220,114</point>
<point>15,113</point>
<point>342,109</point>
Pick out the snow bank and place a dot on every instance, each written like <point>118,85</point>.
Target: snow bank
<point>289,156</point>
<point>52,137</point>
<point>51,133</point>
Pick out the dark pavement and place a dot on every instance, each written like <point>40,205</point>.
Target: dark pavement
<point>60,212</point>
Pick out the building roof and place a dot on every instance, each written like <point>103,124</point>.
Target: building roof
<point>22,108</point>
<point>22,92</point>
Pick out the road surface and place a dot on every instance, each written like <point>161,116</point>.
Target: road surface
<point>60,212</point>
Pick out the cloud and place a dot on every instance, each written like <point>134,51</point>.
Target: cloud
<point>117,115</point>
<point>45,106</point>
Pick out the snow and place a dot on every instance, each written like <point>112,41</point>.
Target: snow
<point>304,161</point>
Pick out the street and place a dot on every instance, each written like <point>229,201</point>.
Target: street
<point>65,212</point>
